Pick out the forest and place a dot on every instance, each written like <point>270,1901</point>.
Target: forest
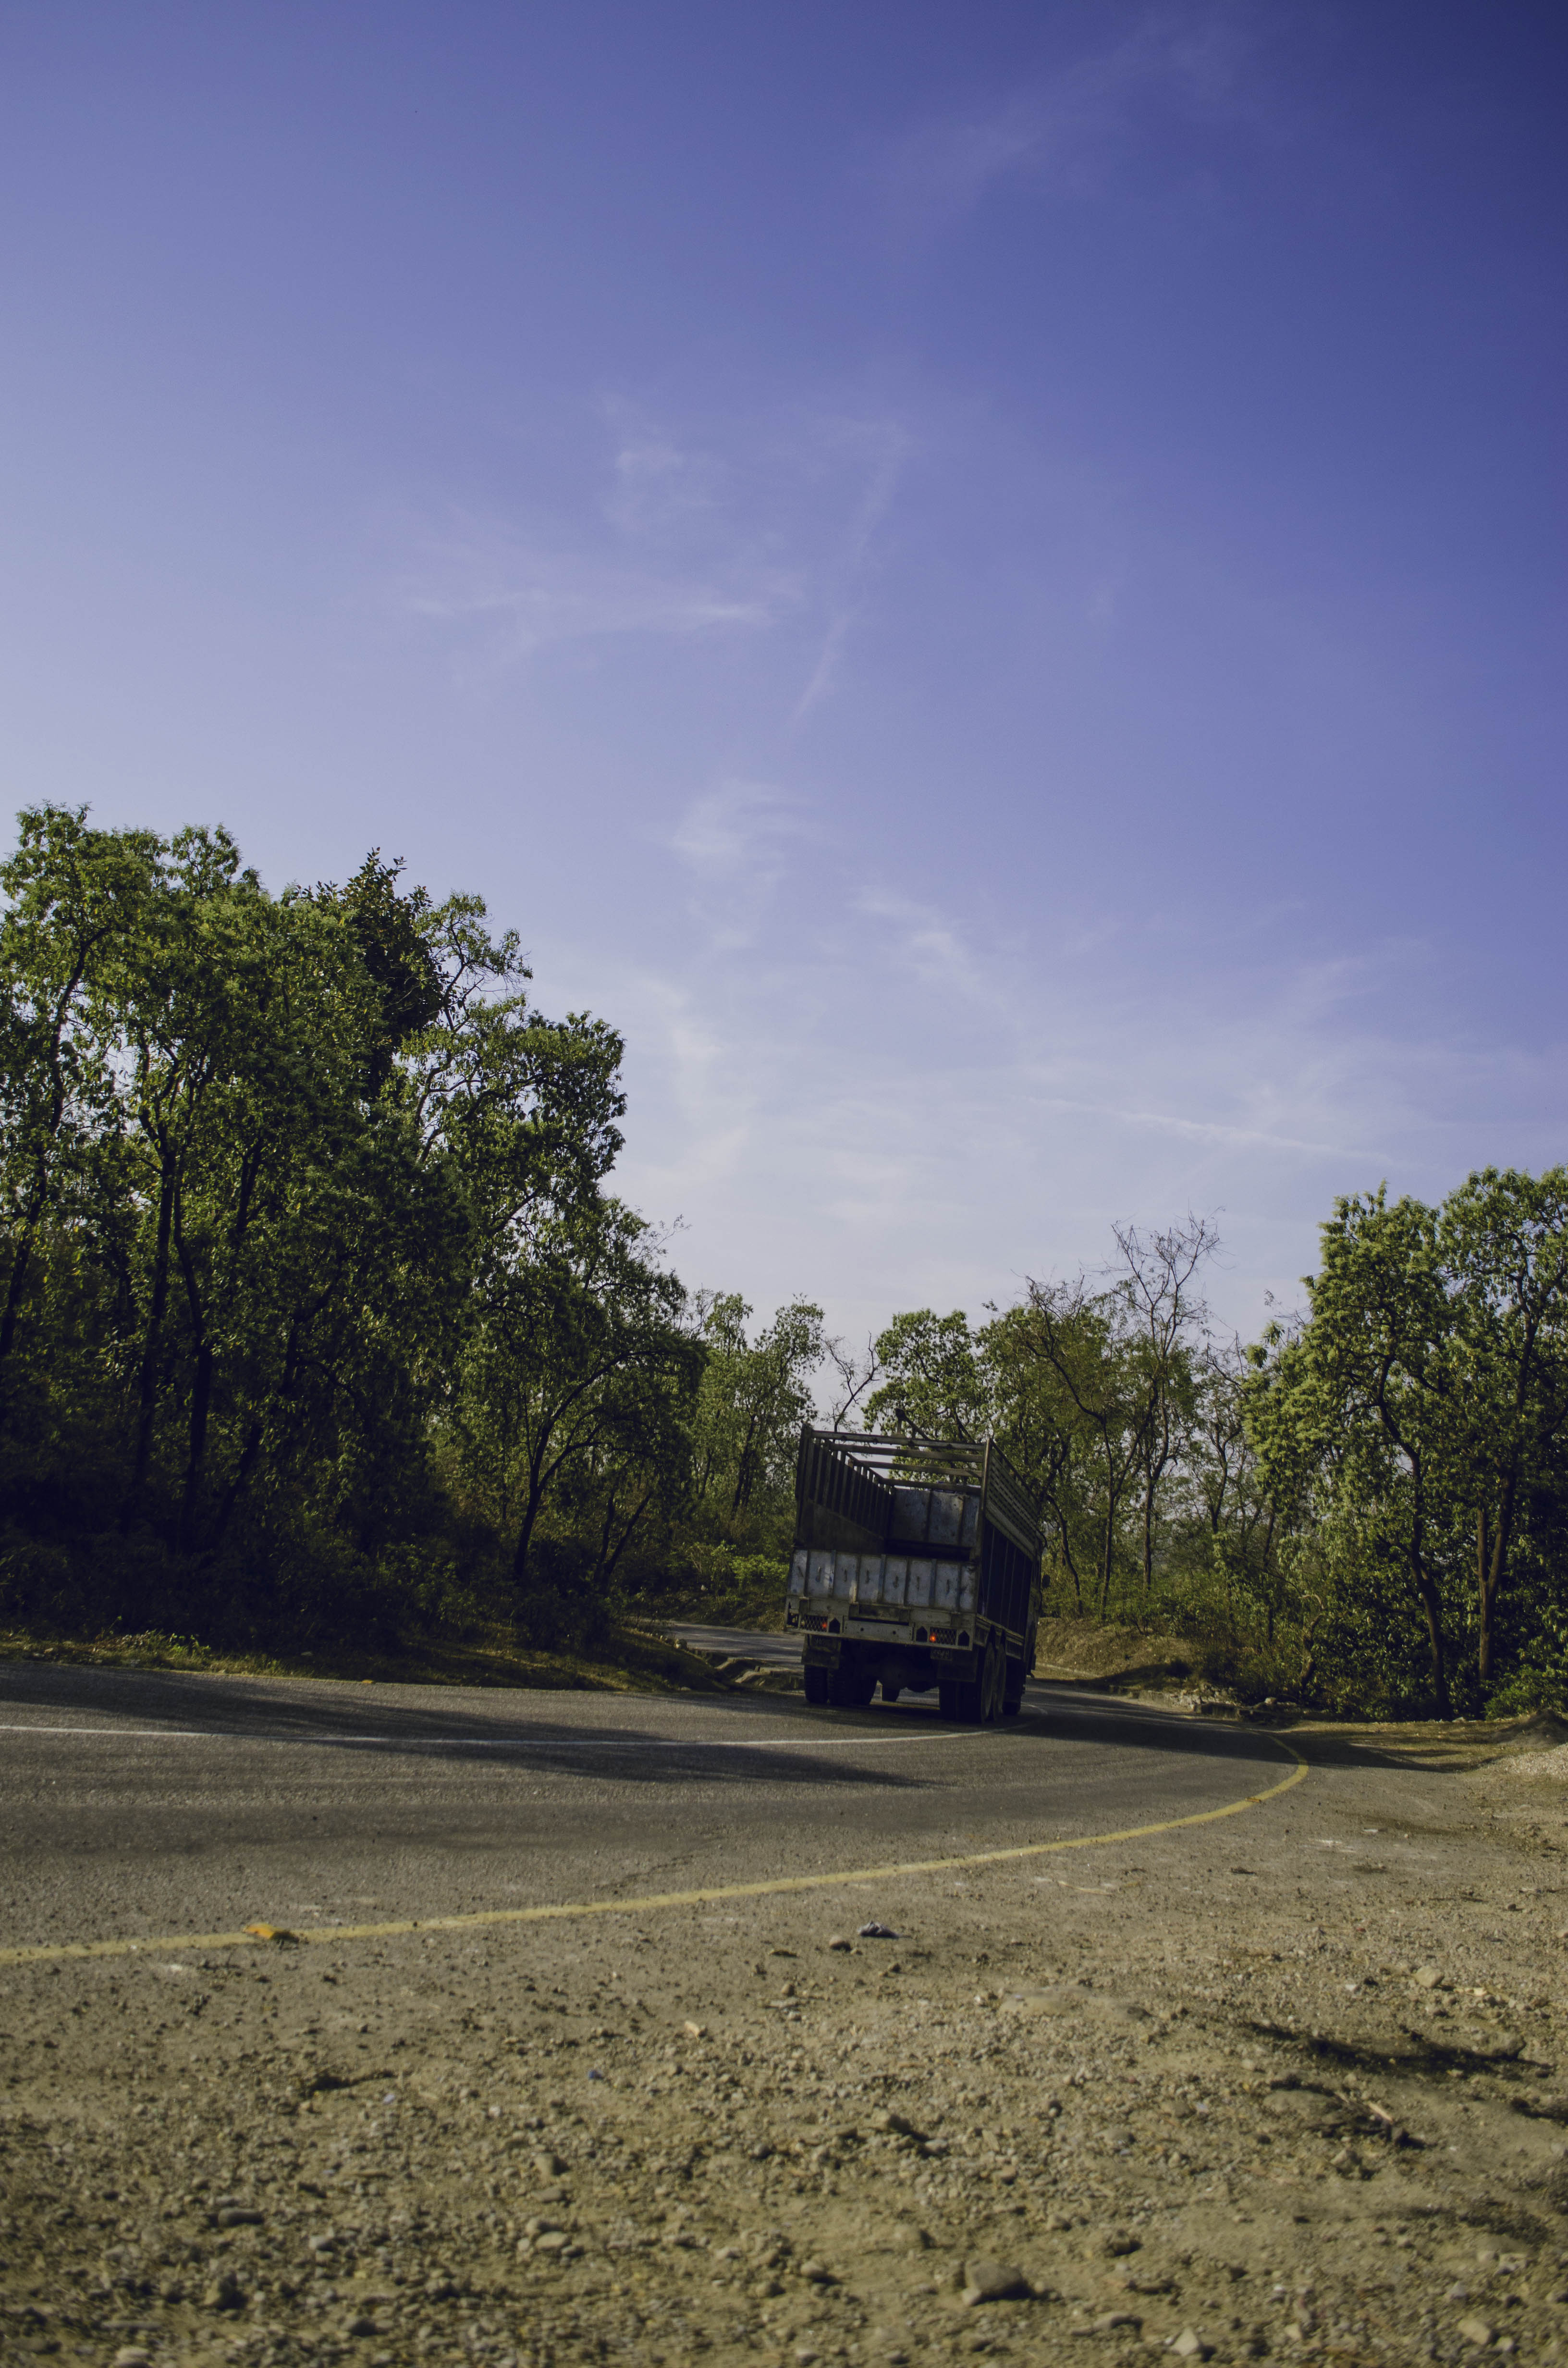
<point>323,1321</point>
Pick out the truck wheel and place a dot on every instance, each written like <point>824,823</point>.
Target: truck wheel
<point>1012,1699</point>
<point>965,1703</point>
<point>891,1693</point>
<point>850,1689</point>
<point>818,1685</point>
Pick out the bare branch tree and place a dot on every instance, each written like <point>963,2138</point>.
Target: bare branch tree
<point>856,1375</point>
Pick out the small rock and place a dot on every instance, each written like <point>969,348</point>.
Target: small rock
<point>993,2282</point>
<point>877,1933</point>
<point>551,2240</point>
<point>817,2274</point>
<point>239,2216</point>
<point>1190,2345</point>
<point>1119,2243</point>
<point>362,2326</point>
<point>223,2294</point>
<point>1109,2319</point>
<point>1428,1977</point>
<point>840,1940</point>
<point>1475,2329</point>
<point>131,2355</point>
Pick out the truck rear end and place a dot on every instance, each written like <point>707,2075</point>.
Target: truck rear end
<point>915,1567</point>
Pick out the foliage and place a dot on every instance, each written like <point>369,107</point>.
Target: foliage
<point>320,1319</point>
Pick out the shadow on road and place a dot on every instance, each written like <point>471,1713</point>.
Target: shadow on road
<point>818,1753</point>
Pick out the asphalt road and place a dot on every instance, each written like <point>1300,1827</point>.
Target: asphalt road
<point>140,1804</point>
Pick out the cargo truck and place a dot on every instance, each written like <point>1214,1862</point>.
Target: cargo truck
<point>916,1566</point>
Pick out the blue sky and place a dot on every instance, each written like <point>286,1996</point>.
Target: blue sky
<point>986,581</point>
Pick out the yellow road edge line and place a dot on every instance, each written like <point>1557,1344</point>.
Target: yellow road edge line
<point>57,1953</point>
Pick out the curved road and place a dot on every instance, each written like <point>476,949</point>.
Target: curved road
<point>154,1805</point>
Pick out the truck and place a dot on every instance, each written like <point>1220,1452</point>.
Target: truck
<point>915,1567</point>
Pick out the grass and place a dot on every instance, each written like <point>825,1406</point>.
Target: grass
<point>628,1663</point>
<point>754,1603</point>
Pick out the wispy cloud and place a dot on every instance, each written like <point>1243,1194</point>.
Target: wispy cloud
<point>1073,129</point>
<point>925,944</point>
<point>743,827</point>
<point>1208,1129</point>
<point>881,1104</point>
<point>769,526</point>
<point>528,596</point>
<point>735,843</point>
<point>888,445</point>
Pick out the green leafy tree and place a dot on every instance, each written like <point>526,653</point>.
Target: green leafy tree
<point>1503,1241</point>
<point>1363,1406</point>
<point>572,1321</point>
<point>756,1394</point>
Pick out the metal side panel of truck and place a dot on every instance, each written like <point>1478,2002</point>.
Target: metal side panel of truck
<point>915,1567</point>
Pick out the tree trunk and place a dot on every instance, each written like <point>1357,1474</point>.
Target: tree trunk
<point>525,1534</point>
<point>148,1380</point>
<point>1431,1604</point>
<point>201,1404</point>
<point>37,1199</point>
<point>1492,1556</point>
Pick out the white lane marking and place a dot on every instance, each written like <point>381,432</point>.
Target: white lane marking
<point>487,1742</point>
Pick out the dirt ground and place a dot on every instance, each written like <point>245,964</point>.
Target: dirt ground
<point>1292,2085</point>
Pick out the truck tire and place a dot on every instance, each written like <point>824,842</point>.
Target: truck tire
<point>818,1685</point>
<point>967,1702</point>
<point>994,1682</point>
<point>1012,1699</point>
<point>891,1693</point>
<point>850,1688</point>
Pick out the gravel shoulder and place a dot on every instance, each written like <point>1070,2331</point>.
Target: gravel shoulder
<point>1293,2084</point>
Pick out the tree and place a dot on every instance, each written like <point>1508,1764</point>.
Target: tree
<point>1503,1241</point>
<point>74,895</point>
<point>1366,1399</point>
<point>935,1382</point>
<point>1081,1338</point>
<point>1157,1281</point>
<point>573,1320</point>
<point>756,1395</point>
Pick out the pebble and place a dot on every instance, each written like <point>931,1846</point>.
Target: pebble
<point>1475,2330</point>
<point>841,1940</point>
<point>131,2355</point>
<point>1190,2345</point>
<point>993,2282</point>
<point>1428,1977</point>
